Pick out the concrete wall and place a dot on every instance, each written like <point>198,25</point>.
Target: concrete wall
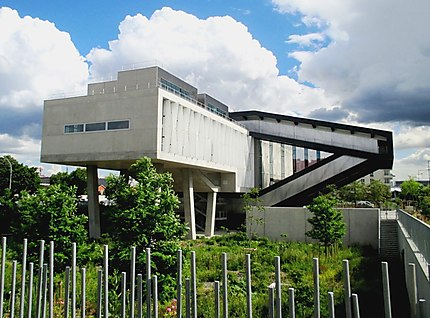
<point>362,225</point>
<point>412,232</point>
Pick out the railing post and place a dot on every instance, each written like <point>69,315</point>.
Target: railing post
<point>422,307</point>
<point>248,286</point>
<point>412,279</point>
<point>224,284</point>
<point>132,279</point>
<point>106,280</point>
<point>355,305</point>
<point>193,284</point>
<point>83,291</point>
<point>24,264</point>
<point>179,285</point>
<point>3,263</point>
<point>271,291</point>
<point>216,292</point>
<point>278,300</point>
<point>13,291</point>
<point>30,290</point>
<point>148,283</point>
<point>316,288</point>
<point>386,289</point>
<point>347,289</point>
<point>291,302</point>
<point>331,312</point>
<point>51,279</point>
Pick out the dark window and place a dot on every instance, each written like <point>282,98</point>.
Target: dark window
<point>68,129</point>
<point>119,124</point>
<point>95,126</point>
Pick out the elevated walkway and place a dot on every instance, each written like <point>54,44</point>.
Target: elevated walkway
<point>356,152</point>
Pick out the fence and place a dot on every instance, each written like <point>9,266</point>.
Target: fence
<point>41,303</point>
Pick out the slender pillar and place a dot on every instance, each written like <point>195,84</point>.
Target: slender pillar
<point>210,214</point>
<point>190,216</point>
<point>93,202</point>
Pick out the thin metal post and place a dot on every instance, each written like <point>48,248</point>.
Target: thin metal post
<point>422,307</point>
<point>386,289</point>
<point>187,298</point>
<point>148,283</point>
<point>355,305</point>
<point>193,284</point>
<point>217,304</point>
<point>106,280</point>
<point>132,279</point>
<point>24,264</point>
<point>99,292</point>
<point>67,293</point>
<point>316,288</point>
<point>155,293</point>
<point>139,296</point>
<point>331,313</point>
<point>123,294</point>
<point>3,263</point>
<point>347,288</point>
<point>40,278</point>
<point>44,288</point>
<point>179,285</point>
<point>291,302</point>
<point>271,291</point>
<point>51,279</point>
<point>224,285</point>
<point>30,289</point>
<point>83,291</point>
<point>248,286</point>
<point>278,299</point>
<point>73,280</point>
<point>412,279</point>
<point>13,291</point>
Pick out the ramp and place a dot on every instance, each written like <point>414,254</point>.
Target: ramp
<point>356,151</point>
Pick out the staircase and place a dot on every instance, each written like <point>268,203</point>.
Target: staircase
<point>389,239</point>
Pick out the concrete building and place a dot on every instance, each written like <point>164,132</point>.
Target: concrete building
<point>150,112</point>
<point>383,175</point>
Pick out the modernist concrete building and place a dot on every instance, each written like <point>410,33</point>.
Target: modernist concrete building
<point>150,112</point>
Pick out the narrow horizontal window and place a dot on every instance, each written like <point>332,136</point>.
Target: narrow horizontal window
<point>95,126</point>
<point>69,129</point>
<point>119,124</point>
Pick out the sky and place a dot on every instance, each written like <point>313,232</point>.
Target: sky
<point>364,62</point>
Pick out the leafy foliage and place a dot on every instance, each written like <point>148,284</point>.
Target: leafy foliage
<point>328,227</point>
<point>77,178</point>
<point>144,216</point>
<point>49,214</point>
<point>23,177</point>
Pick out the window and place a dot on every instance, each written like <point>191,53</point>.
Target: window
<point>119,124</point>
<point>95,126</point>
<point>68,129</point>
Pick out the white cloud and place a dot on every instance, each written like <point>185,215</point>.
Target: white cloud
<point>378,61</point>
<point>36,59</point>
<point>310,39</point>
<point>412,137</point>
<point>218,55</point>
<point>415,165</point>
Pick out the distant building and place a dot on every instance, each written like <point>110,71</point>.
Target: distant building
<point>384,175</point>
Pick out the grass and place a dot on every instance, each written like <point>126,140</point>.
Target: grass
<point>296,272</point>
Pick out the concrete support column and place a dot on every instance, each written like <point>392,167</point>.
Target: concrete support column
<point>210,214</point>
<point>188,189</point>
<point>93,202</point>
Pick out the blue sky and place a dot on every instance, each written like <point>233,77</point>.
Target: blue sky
<point>360,62</point>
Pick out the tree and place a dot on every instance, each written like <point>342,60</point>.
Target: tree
<point>144,215</point>
<point>23,177</point>
<point>50,214</point>
<point>328,227</point>
<point>378,192</point>
<point>77,178</point>
<point>411,190</point>
<point>353,192</point>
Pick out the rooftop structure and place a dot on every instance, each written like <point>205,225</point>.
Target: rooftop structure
<point>150,112</point>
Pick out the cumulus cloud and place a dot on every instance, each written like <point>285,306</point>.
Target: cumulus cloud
<point>378,60</point>
<point>36,60</point>
<point>218,55</point>
<point>412,137</point>
<point>306,40</point>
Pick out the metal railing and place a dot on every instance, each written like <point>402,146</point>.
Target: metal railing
<point>135,302</point>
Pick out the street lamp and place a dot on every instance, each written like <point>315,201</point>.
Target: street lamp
<point>10,173</point>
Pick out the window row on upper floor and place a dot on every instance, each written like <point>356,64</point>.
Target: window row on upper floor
<point>99,126</point>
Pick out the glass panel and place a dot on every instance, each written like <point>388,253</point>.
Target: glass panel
<point>120,124</point>
<point>68,129</point>
<point>95,126</point>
